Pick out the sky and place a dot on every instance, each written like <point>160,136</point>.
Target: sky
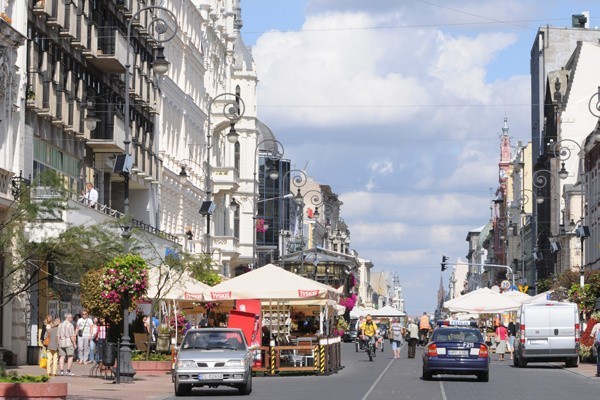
<point>398,106</point>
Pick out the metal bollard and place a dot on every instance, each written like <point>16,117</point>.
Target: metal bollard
<point>316,359</point>
<point>272,363</point>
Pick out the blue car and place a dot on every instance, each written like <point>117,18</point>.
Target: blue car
<point>456,348</point>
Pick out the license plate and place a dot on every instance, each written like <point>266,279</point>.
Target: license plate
<point>537,341</point>
<point>205,377</point>
<point>458,353</point>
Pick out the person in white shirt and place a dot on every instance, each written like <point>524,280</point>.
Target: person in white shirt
<point>90,195</point>
<point>85,327</point>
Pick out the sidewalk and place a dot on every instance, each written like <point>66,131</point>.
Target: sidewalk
<point>83,386</point>
<point>584,369</point>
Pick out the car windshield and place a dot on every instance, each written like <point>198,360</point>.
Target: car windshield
<point>457,335</point>
<point>207,340</point>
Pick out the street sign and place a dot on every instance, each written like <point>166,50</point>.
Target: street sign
<point>523,288</point>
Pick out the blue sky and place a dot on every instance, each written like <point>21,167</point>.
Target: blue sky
<point>398,106</point>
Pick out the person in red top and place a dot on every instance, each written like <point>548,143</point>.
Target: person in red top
<point>501,339</point>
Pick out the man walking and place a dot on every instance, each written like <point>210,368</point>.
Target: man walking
<point>84,336</point>
<point>66,343</point>
<point>413,338</point>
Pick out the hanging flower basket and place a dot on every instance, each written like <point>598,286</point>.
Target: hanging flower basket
<point>125,278</point>
<point>260,225</point>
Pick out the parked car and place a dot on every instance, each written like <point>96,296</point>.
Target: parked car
<point>456,348</point>
<point>548,331</point>
<point>213,357</point>
<point>351,334</point>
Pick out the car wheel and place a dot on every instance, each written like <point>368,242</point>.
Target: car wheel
<point>182,390</point>
<point>246,388</point>
<point>484,376</point>
<point>427,375</point>
<point>572,362</point>
<point>521,363</point>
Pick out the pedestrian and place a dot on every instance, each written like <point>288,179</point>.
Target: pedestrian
<point>84,336</point>
<point>512,334</point>
<point>52,348</point>
<point>90,195</point>
<point>413,338</point>
<point>45,326</point>
<point>93,341</point>
<point>595,333</point>
<point>100,337</point>
<point>501,339</point>
<point>396,330</point>
<point>66,345</point>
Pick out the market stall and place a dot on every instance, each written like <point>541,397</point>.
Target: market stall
<point>295,317</point>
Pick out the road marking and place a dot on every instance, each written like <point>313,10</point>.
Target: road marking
<point>443,391</point>
<point>378,379</point>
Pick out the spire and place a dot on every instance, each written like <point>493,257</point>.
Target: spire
<point>505,127</point>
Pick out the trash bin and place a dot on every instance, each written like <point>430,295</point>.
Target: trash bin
<point>109,354</point>
<point>33,355</point>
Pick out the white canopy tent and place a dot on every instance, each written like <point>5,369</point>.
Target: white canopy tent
<point>388,311</point>
<point>174,286</point>
<point>518,296</point>
<point>482,301</point>
<point>270,283</point>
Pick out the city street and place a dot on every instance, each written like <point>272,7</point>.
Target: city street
<point>385,378</point>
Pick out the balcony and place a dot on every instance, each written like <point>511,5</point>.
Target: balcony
<point>111,55</point>
<point>108,135</point>
<point>79,214</point>
<point>227,245</point>
<point>224,179</point>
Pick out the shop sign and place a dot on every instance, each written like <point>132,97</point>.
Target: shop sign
<point>308,293</point>
<point>220,295</point>
<point>192,296</point>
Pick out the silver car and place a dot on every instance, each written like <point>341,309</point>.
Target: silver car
<point>213,357</point>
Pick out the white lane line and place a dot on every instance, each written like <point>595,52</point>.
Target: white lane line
<point>377,380</point>
<point>443,391</point>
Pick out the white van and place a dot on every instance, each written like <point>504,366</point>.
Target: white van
<point>549,331</point>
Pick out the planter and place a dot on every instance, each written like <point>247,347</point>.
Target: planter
<point>40,390</point>
<point>152,367</point>
<point>163,343</point>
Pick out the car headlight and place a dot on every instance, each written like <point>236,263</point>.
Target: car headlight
<point>186,363</point>
<point>234,363</point>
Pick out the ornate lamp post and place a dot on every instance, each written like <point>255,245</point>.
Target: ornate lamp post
<point>160,67</point>
<point>314,197</point>
<point>233,109</point>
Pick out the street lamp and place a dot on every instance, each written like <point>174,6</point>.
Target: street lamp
<point>233,110</point>
<point>160,66</point>
<point>185,171</point>
<point>314,198</point>
<point>273,151</point>
<point>563,153</point>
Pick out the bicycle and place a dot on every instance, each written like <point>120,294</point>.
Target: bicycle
<point>371,347</point>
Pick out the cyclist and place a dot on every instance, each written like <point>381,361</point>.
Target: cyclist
<point>424,328</point>
<point>368,331</point>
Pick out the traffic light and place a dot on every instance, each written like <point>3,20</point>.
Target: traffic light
<point>444,261</point>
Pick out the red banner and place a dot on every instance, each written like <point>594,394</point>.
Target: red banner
<point>308,293</point>
<point>220,295</point>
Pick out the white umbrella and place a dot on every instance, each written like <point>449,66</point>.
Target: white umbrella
<point>174,285</point>
<point>518,296</point>
<point>484,302</point>
<point>448,303</point>
<point>541,297</point>
<point>388,311</point>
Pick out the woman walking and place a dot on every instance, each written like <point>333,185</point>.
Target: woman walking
<point>501,339</point>
<point>396,331</point>
<point>52,349</point>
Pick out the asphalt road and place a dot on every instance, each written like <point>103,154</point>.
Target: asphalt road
<point>385,378</point>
